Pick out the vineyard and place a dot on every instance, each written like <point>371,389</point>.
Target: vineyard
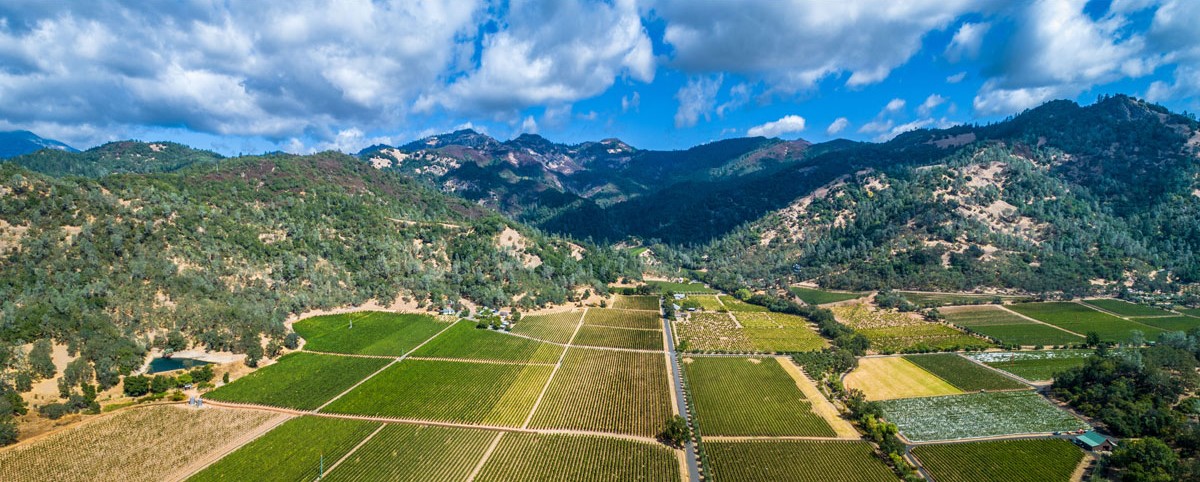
<point>1034,365</point>
<point>623,319</point>
<point>554,327</point>
<point>374,332</point>
<point>648,303</point>
<point>820,297</point>
<point>632,338</point>
<point>796,461</point>
<point>964,374</point>
<point>688,288</point>
<point>736,305</point>
<point>466,341</point>
<point>1125,308</point>
<point>976,415</point>
<point>712,332</point>
<point>415,452</point>
<point>888,378</point>
<point>524,457</point>
<point>740,396</point>
<point>299,380</point>
<point>479,393</point>
<point>952,299</point>
<point>894,332</point>
<point>293,451</point>
<point>707,302</point>
<point>610,391</point>
<point>779,332</point>
<point>1001,461</point>
<point>1171,323</point>
<point>139,444</point>
<point>1080,319</point>
<point>1009,328</point>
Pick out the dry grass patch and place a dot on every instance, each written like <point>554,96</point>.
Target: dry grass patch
<point>890,378</point>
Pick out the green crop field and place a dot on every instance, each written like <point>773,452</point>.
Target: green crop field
<point>415,452</point>
<point>734,304</point>
<point>689,288</point>
<point>299,380</point>
<point>293,451</point>
<point>976,415</point>
<point>526,457</point>
<point>707,302</point>
<point>1125,308</point>
<point>464,340</point>
<point>623,319</point>
<point>712,332</point>
<point>635,302</point>
<point>554,327</point>
<point>820,297</point>
<point>374,332</point>
<point>1001,461</point>
<point>952,299</point>
<point>895,332</point>
<point>1190,311</point>
<point>1009,328</point>
<point>1034,365</point>
<point>772,340</point>
<point>632,338</point>
<point>740,396</point>
<point>964,374</point>
<point>1082,320</point>
<point>447,391</point>
<point>1171,323</point>
<point>796,461</point>
<point>607,391</point>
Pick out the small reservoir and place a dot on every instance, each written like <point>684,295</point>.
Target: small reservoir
<point>160,364</point>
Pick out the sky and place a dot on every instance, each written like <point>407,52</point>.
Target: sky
<point>303,76</point>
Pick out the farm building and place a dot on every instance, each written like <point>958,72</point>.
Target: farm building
<point>680,296</point>
<point>1094,441</point>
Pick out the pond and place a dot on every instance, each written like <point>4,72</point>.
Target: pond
<point>160,364</point>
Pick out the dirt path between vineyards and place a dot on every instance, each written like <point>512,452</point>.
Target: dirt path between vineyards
<point>820,405</point>
<point>203,462</point>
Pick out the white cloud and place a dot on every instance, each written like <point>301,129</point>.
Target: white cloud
<point>738,96</point>
<point>696,100</point>
<point>1173,30</point>
<point>529,126</point>
<point>894,105</point>
<point>837,126</point>
<point>930,103</point>
<point>876,126</point>
<point>966,41</point>
<point>902,128</point>
<point>786,125</point>
<point>956,78</point>
<point>631,102</point>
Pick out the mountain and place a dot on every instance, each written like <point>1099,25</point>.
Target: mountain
<point>16,143</point>
<point>116,157</point>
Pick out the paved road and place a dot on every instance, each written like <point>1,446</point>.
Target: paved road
<point>692,463</point>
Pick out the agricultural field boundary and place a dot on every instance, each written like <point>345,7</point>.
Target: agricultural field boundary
<point>1011,376</point>
<point>355,449</point>
<point>1130,319</point>
<point>545,387</point>
<point>478,361</point>
<point>1035,320</point>
<point>488,453</point>
<point>220,453</point>
<point>820,405</point>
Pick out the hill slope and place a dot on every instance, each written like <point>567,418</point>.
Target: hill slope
<point>15,143</point>
<point>115,158</point>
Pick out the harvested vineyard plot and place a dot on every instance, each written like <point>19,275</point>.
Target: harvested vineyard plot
<point>1171,323</point>
<point>374,332</point>
<point>888,378</point>
<point>554,327</point>
<point>631,338</point>
<point>1080,319</point>
<point>525,457</point>
<point>750,396</point>
<point>734,304</point>
<point>141,444</point>
<point>712,332</point>
<point>796,461</point>
<point>688,288</point>
<point>622,302</point>
<point>820,297</point>
<point>607,391</point>
<point>1001,461</point>
<point>299,380</point>
<point>623,319</point>
<point>1125,308</point>
<point>293,451</point>
<point>1008,327</point>
<point>447,391</point>
<point>964,374</point>
<point>953,299</point>
<point>415,452</point>
<point>894,332</point>
<point>1034,365</point>
<point>466,341</point>
<point>977,415</point>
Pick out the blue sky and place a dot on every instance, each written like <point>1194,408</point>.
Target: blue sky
<point>299,76</point>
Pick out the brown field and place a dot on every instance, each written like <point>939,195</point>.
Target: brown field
<point>889,378</point>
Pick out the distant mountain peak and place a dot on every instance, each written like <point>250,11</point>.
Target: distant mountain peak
<point>16,143</point>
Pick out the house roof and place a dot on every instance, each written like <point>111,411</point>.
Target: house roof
<point>1092,438</point>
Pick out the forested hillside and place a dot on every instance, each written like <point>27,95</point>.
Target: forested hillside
<point>116,158</point>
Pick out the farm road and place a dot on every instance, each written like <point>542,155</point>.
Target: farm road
<point>693,465</point>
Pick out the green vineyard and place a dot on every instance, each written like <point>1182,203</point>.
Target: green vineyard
<point>739,396</point>
<point>604,390</point>
<point>299,380</point>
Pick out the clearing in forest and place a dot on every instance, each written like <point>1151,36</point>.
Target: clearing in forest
<point>887,378</point>
<point>373,332</point>
<point>750,397</point>
<point>796,461</point>
<point>299,380</point>
<point>527,457</point>
<point>1008,327</point>
<point>1041,460</point>
<point>607,391</point>
<point>465,341</point>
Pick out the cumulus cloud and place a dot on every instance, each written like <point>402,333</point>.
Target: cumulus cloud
<point>966,41</point>
<point>931,102</point>
<point>696,99</point>
<point>529,126</point>
<point>894,105</point>
<point>1173,31</point>
<point>786,125</point>
<point>838,125</point>
<point>956,78</point>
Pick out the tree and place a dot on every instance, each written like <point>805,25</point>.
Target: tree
<point>161,383</point>
<point>136,385</point>
<point>1145,460</point>
<point>291,341</point>
<point>225,378</point>
<point>8,431</point>
<point>1093,338</point>
<point>41,360</point>
<point>676,432</point>
<point>175,342</point>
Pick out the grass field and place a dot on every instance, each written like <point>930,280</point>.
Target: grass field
<point>1007,327</point>
<point>976,415</point>
<point>895,332</point>
<point>712,332</point>
<point>796,461</point>
<point>1190,311</point>
<point>631,338</point>
<point>466,341</point>
<point>1037,365</point>
<point>964,374</point>
<point>689,288</point>
<point>820,297</point>
<point>889,378</point>
<point>952,299</point>
<point>609,391</point>
<point>142,444</point>
<point>374,332</point>
<point>554,327</point>
<point>1082,320</point>
<point>1172,323</point>
<point>623,319</point>
<point>635,302</point>
<point>740,396</point>
<point>291,452</point>
<point>479,393</point>
<point>736,305</point>
<point>524,457</point>
<point>299,380</point>
<point>1125,308</point>
<point>415,452</point>
<point>1001,461</point>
